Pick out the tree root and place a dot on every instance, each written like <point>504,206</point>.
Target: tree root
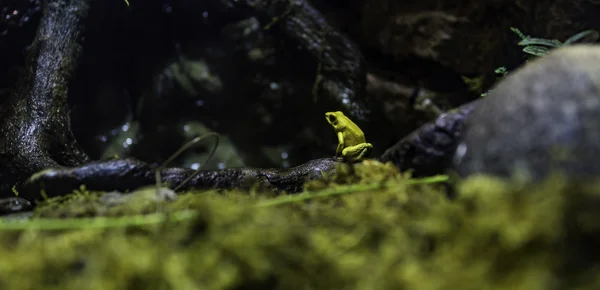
<point>35,125</point>
<point>127,174</point>
<point>341,68</point>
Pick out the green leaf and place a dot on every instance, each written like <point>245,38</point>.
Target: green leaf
<point>519,33</point>
<point>590,36</point>
<point>540,41</point>
<point>536,50</point>
<point>501,70</point>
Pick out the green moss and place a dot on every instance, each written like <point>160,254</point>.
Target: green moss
<point>382,231</point>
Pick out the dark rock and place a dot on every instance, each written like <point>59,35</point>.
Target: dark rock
<point>544,116</point>
<point>428,150</point>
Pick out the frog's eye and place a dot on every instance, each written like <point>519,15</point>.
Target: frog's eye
<point>332,119</point>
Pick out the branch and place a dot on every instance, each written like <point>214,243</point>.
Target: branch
<point>128,174</point>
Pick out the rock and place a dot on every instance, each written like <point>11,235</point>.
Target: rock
<point>428,150</point>
<point>542,117</point>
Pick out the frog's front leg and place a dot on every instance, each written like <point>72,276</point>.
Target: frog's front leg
<point>340,147</point>
<point>357,152</point>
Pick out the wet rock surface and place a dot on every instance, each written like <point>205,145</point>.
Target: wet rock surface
<point>542,117</point>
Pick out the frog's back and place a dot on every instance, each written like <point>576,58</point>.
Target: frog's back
<point>355,137</point>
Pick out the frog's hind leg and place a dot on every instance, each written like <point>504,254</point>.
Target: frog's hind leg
<point>357,152</point>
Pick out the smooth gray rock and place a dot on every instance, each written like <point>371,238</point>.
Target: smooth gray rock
<point>542,117</point>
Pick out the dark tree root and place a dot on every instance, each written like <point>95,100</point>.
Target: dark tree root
<point>35,119</point>
<point>341,68</point>
<point>128,174</point>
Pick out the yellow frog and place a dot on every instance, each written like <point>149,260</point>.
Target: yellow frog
<point>352,144</point>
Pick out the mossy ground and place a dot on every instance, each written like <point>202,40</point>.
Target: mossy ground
<point>375,230</point>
